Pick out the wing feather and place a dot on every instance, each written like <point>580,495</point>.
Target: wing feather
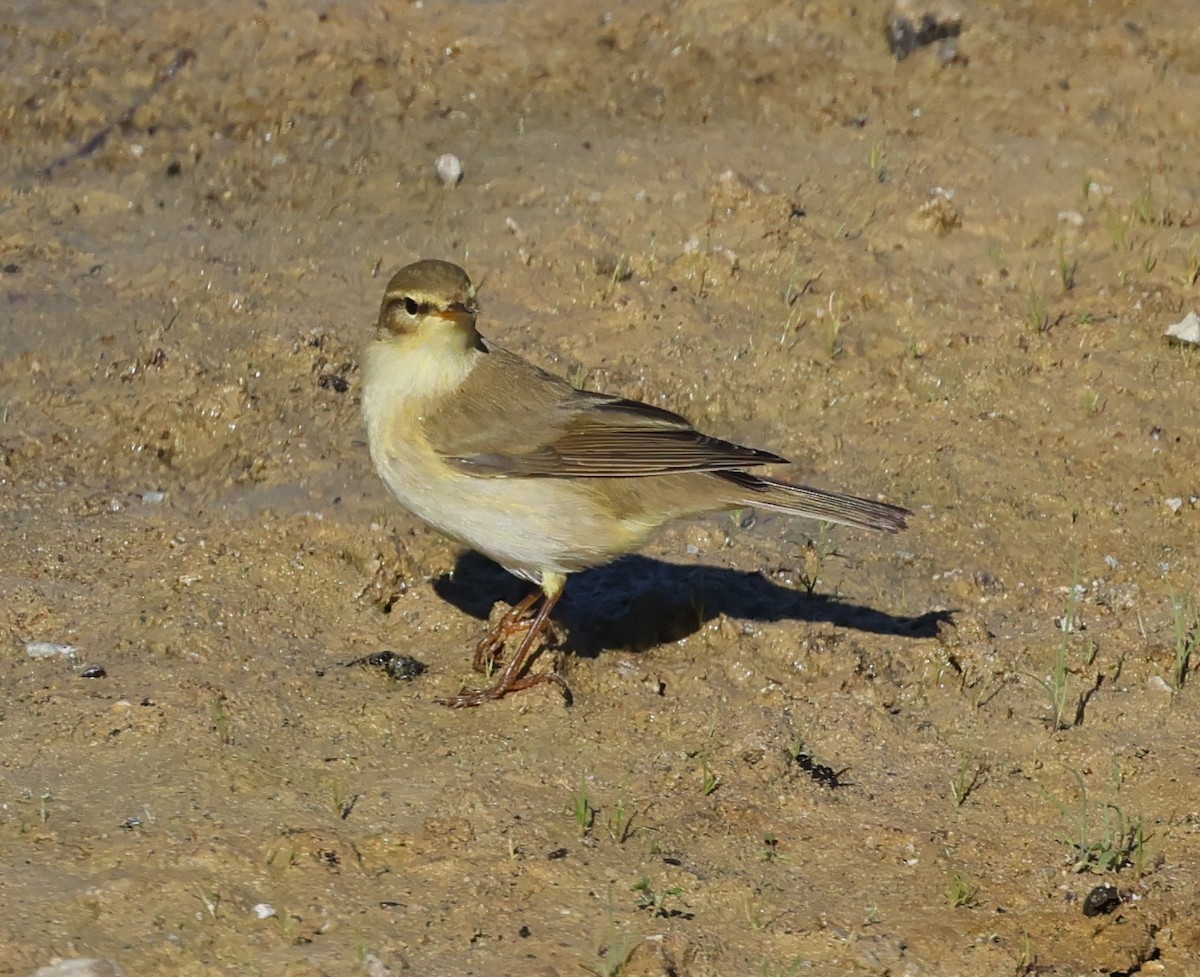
<point>511,419</point>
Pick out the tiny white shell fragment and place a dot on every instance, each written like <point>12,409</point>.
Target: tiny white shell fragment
<point>448,168</point>
<point>48,649</point>
<point>80,967</point>
<point>1186,330</point>
<point>1159,684</point>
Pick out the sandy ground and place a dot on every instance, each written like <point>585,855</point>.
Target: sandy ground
<point>942,282</point>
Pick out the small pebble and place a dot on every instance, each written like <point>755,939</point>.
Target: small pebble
<point>264,910</point>
<point>449,169</point>
<point>153,498</point>
<point>1186,330</point>
<point>1174,504</point>
<point>48,649</point>
<point>375,967</point>
<point>80,967</point>
<point>1159,684</point>
<point>93,671</point>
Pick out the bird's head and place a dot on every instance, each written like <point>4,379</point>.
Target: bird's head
<point>429,300</point>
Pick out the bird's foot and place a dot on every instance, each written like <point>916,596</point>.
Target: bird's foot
<point>477,697</point>
<point>511,677</point>
<point>489,652</point>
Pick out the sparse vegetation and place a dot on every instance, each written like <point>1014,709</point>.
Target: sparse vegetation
<point>1066,269</point>
<point>816,553</point>
<point>210,901</point>
<point>1187,633</point>
<point>1065,710</point>
<point>834,323</point>
<point>620,823</point>
<point>581,807</point>
<point>966,778</point>
<point>1056,688</point>
<point>44,799</point>
<point>1146,208</point>
<point>621,272</point>
<point>1118,230</point>
<point>578,376</point>
<point>1027,960</point>
<point>1116,842</point>
<point>1192,273</point>
<point>220,719</point>
<point>656,900</point>
<point>616,949</point>
<point>343,802</point>
<point>770,849</point>
<point>1037,319</point>
<point>876,156</point>
<point>962,893</point>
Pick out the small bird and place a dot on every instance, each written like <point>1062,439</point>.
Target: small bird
<point>541,477</point>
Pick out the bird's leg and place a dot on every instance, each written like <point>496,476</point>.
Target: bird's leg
<point>487,652</point>
<point>510,678</point>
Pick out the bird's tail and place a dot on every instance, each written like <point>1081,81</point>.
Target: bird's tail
<point>800,500</point>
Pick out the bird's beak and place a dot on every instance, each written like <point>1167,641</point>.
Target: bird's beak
<point>456,312</point>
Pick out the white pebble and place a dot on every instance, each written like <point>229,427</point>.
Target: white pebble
<point>153,498</point>
<point>1159,684</point>
<point>80,967</point>
<point>449,169</point>
<point>1174,504</point>
<point>48,649</point>
<point>264,910</point>
<point>1072,217</point>
<point>1186,330</point>
<point>375,967</point>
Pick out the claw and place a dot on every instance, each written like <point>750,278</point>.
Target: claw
<point>487,654</point>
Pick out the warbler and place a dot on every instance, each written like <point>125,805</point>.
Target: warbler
<point>543,478</point>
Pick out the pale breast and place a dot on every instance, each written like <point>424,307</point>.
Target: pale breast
<point>525,525</point>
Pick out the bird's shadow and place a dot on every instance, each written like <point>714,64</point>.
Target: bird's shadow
<point>638,603</point>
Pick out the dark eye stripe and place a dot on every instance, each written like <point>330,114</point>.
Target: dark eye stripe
<point>409,304</point>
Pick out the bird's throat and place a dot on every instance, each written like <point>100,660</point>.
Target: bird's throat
<point>404,374</point>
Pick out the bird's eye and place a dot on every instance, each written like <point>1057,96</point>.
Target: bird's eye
<point>412,306</point>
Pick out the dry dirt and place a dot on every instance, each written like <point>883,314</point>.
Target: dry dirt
<point>940,280</point>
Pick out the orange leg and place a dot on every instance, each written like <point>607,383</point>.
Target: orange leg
<point>510,678</point>
<point>487,652</point>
